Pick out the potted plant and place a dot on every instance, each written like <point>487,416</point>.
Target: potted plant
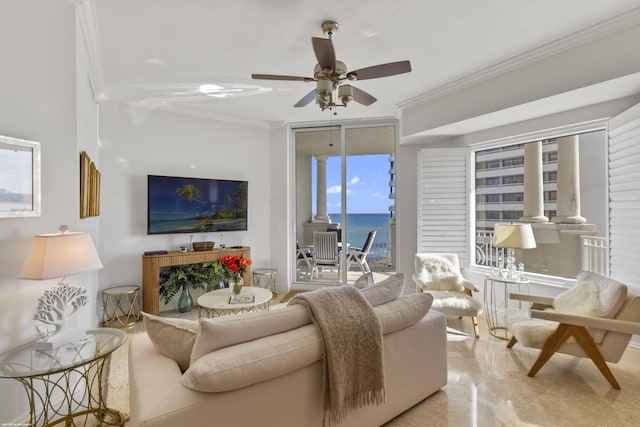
<point>183,278</point>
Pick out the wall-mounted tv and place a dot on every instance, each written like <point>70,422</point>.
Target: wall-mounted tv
<point>195,205</point>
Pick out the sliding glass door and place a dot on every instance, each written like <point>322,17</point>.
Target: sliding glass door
<point>344,177</point>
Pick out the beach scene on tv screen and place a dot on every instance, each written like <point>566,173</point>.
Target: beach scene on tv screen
<point>192,205</point>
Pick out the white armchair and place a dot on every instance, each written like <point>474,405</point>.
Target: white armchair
<point>439,274</point>
<point>595,318</point>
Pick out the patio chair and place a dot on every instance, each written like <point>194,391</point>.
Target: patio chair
<point>303,254</point>
<point>325,251</point>
<point>359,255</point>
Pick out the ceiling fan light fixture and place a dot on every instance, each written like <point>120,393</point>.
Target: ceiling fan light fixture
<point>329,74</point>
<point>345,93</point>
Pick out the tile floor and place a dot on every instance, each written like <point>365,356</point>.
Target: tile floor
<point>488,386</point>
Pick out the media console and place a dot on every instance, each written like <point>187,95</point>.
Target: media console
<point>151,265</point>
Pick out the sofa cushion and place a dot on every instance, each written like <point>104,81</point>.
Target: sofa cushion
<point>251,362</point>
<point>385,291</point>
<point>230,330</point>
<point>364,281</point>
<point>403,312</point>
<point>173,338</point>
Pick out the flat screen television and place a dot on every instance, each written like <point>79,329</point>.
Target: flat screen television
<point>195,205</point>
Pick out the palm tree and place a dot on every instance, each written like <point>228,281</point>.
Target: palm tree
<point>189,192</point>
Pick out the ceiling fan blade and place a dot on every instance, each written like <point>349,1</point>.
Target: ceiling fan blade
<point>277,77</point>
<point>382,70</point>
<point>307,99</point>
<point>362,97</point>
<point>326,56</point>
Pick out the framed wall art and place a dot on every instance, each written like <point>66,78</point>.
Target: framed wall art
<point>20,178</point>
<point>89,187</point>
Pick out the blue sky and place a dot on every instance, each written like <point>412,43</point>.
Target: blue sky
<point>367,184</point>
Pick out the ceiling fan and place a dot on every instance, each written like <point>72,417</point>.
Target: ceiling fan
<point>331,75</point>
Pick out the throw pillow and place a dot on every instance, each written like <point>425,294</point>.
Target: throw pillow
<point>254,361</point>
<point>173,338</point>
<point>385,291</point>
<point>230,330</point>
<point>583,298</point>
<point>364,281</point>
<point>403,312</point>
<point>439,274</point>
<point>592,295</point>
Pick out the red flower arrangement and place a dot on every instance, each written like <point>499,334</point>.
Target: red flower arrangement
<point>234,265</point>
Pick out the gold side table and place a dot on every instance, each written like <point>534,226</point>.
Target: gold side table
<point>120,306</point>
<point>75,371</point>
<point>265,278</point>
<point>492,304</point>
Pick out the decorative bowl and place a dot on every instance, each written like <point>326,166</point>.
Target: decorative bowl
<point>202,246</point>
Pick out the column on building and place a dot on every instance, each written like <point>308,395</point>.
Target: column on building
<point>321,190</point>
<point>568,197</point>
<point>533,210</point>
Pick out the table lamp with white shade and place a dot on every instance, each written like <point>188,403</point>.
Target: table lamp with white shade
<point>59,255</point>
<point>513,236</point>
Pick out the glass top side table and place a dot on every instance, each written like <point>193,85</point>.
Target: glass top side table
<point>75,370</point>
<point>120,306</point>
<point>492,305</point>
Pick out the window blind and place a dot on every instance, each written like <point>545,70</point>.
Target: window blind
<point>442,201</point>
<point>624,196</point>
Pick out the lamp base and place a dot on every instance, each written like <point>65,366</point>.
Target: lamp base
<point>59,339</point>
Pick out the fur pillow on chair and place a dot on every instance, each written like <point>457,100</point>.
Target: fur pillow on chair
<point>592,295</point>
<point>439,274</point>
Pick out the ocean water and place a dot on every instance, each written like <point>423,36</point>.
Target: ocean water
<point>358,227</point>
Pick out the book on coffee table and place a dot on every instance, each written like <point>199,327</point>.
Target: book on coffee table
<point>242,299</point>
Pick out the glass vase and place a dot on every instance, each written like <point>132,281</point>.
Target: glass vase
<point>185,302</point>
<point>236,284</point>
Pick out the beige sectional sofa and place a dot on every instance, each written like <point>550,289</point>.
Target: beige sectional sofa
<point>265,369</point>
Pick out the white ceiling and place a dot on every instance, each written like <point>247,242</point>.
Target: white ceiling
<point>156,53</point>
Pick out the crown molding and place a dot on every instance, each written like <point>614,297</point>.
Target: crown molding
<point>147,106</point>
<point>592,33</point>
<point>86,16</point>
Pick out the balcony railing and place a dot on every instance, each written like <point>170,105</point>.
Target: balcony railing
<point>380,253</point>
<point>595,252</point>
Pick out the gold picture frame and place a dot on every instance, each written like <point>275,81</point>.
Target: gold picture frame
<point>89,187</point>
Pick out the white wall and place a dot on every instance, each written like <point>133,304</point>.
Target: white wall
<point>136,143</point>
<point>37,102</point>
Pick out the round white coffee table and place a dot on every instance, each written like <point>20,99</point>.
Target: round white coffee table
<point>217,303</point>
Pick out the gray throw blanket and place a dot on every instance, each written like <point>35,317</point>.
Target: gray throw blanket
<point>352,334</point>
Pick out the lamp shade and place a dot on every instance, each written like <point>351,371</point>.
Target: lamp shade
<point>59,255</point>
<point>515,236</point>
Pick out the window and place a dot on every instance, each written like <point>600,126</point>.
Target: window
<point>513,162</point>
<point>550,176</point>
<point>514,179</point>
<point>500,203</point>
<point>513,197</point>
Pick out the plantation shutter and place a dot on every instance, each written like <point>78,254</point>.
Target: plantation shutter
<point>624,196</point>
<point>442,201</point>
